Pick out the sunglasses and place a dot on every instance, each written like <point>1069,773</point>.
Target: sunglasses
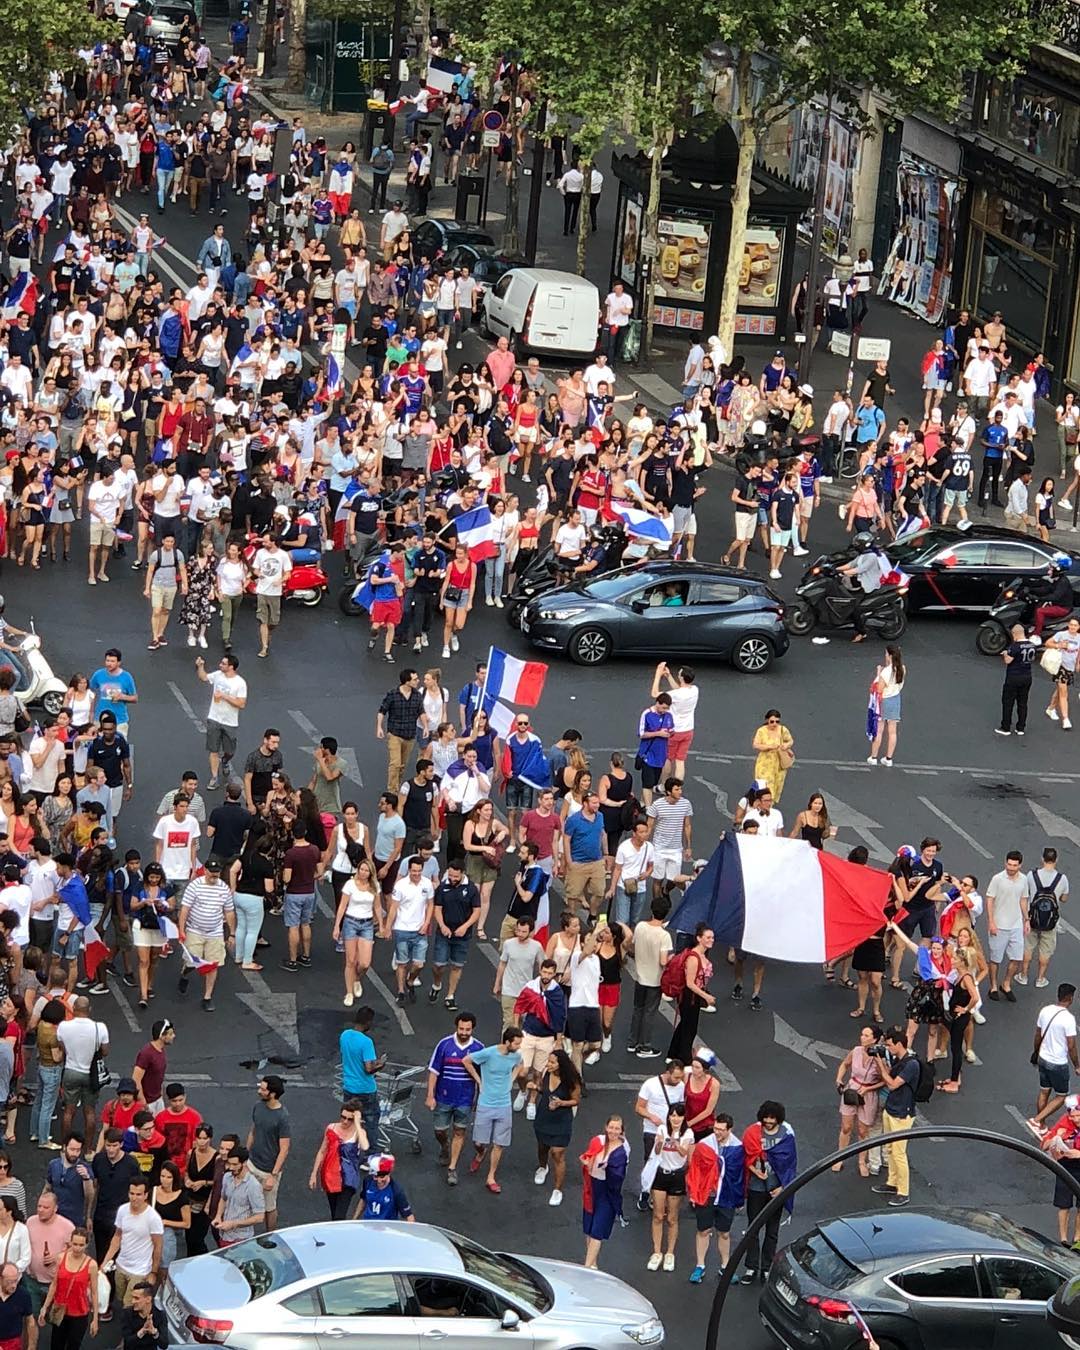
<point>773,722</point>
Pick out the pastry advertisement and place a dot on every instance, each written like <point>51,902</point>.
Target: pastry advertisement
<point>683,262</point>
<point>759,277</point>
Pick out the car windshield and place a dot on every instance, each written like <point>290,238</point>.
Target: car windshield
<point>616,584</point>
<point>171,13</point>
<point>911,549</point>
<point>513,1277</point>
<point>268,1263</point>
<point>823,1262</point>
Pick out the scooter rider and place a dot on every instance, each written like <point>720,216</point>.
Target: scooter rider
<point>866,567</point>
<point>7,631</point>
<point>1055,593</point>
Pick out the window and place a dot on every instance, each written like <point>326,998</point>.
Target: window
<point>966,555</point>
<point>438,1297</point>
<point>948,1277</point>
<point>516,1279</point>
<point>1020,556</point>
<point>267,1263</point>
<point>504,285</point>
<point>362,1296</point>
<point>820,1259</point>
<point>717,593</point>
<point>1013,1278</point>
<point>305,1304</point>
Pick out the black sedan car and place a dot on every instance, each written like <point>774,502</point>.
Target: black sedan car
<point>962,571</point>
<point>435,237</point>
<point>662,609</point>
<point>964,1279</point>
<point>487,265</point>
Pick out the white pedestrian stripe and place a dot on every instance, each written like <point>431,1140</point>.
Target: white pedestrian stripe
<point>125,1007</point>
<point>784,1034</point>
<point>718,794</point>
<point>850,817</point>
<point>278,1011</point>
<point>189,712</point>
<point>956,829</point>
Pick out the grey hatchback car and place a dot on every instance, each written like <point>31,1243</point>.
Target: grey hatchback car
<point>370,1285</point>
<point>160,19</point>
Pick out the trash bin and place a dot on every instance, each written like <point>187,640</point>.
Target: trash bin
<point>471,204</point>
<point>378,127</point>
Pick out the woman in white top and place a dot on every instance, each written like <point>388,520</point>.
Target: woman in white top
<point>443,750</point>
<point>14,1236</point>
<point>230,579</point>
<point>436,701</point>
<point>1067,642</point>
<point>674,1140</point>
<point>888,681</point>
<point>495,569</point>
<point>358,912</point>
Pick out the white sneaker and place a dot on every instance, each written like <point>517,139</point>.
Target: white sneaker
<point>446,653</point>
<point>1066,725</point>
<point>1065,504</point>
<point>540,1176</point>
<point>1041,982</point>
<point>423,639</point>
<point>519,1101</point>
<point>886,762</point>
<point>348,1000</point>
<point>203,642</point>
<point>555,1198</point>
<point>488,600</point>
<point>191,639</point>
<point>669,1261</point>
<point>511,848</point>
<point>498,602</point>
<point>455,643</point>
<point>978,1017</point>
<point>969,1055</point>
<point>1020,978</point>
<point>593,1057</point>
<point>605,1045</point>
<point>799,552</point>
<point>653,1263</point>
<point>530,1111</point>
<point>871,759</point>
<point>775,574</point>
<point>1052,713</point>
<point>358,989</point>
<point>526,479</point>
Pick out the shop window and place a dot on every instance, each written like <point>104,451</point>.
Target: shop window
<point>1014,221</point>
<point>1016,283</point>
<point>1032,120</point>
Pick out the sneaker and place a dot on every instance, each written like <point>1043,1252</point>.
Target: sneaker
<point>450,1003</point>
<point>1018,732</point>
<point>736,994</point>
<point>498,602</point>
<point>191,640</point>
<point>519,1100</point>
<point>774,574</point>
<point>1066,725</point>
<point>291,966</point>
<point>605,1045</point>
<point>433,994</point>
<point>454,643</point>
<point>970,1056</point>
<point>886,762</point>
<point>884,1190</point>
<point>446,653</point>
<point>99,987</point>
<point>51,1145</point>
<point>1008,993</point>
<point>371,644</point>
<point>799,552</point>
<point>755,1003</point>
<point>412,993</point>
<point>1052,713</point>
<point>83,985</point>
<point>1042,982</point>
<point>212,783</point>
<point>511,848</point>
<point>451,1176</point>
<point>129,980</point>
<point>1002,731</point>
<point>525,478</point>
<point>871,759</point>
<point>653,1263</point>
<point>555,1198</point>
<point>644,1204</point>
<point>488,600</point>
<point>994,995</point>
<point>208,1005</point>
<point>540,1176</point>
<point>348,1000</point>
<point>697,1274</point>
<point>391,658</point>
<point>899,1201</point>
<point>748,1277</point>
<point>423,639</point>
<point>593,1058</point>
<point>203,642</point>
<point>1020,978</point>
<point>358,989</point>
<point>647,1052</point>
<point>400,999</point>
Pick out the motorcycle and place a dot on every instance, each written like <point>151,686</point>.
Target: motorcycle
<point>307,583</point>
<point>1016,603</point>
<point>37,685</point>
<point>823,601</point>
<point>541,575</point>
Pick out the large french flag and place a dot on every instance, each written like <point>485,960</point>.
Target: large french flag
<point>643,525</point>
<point>95,951</point>
<point>338,533</point>
<point>784,899</point>
<point>514,680</point>
<point>474,532</point>
<point>22,296</point>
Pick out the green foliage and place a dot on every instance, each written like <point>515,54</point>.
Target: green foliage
<point>356,11</point>
<point>38,38</point>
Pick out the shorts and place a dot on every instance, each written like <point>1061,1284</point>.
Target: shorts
<point>70,949</point>
<point>1064,1198</point>
<point>410,949</point>
<point>1007,944</point>
<point>1054,1077</point>
<point>220,740</point>
<point>463,603</point>
<point>583,1026</point>
<point>708,1217</point>
<point>77,1089</point>
<point>299,908</point>
<point>268,609</point>
<point>123,936</point>
<point>806,508</point>
<point>609,995</point>
<point>126,1281</point>
<point>670,1183</point>
<point>678,745</point>
<point>519,796</point>
<point>387,612</point>
<point>1065,677</point>
<point>529,436</point>
<point>162,597</point>
<point>205,948</point>
<point>270,1196</point>
<point>101,535</point>
<point>148,937</point>
<point>650,776</point>
<point>351,929</point>
<point>681,518</point>
<point>493,1125</point>
<point>779,538</point>
<point>456,1116</point>
<point>745,523</point>
<point>922,921</point>
<point>1039,943</point>
<point>451,950</point>
<point>535,1051</point>
<point>667,866</point>
<point>866,1112</point>
<point>956,496</point>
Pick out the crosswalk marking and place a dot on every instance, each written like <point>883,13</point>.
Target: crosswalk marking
<point>957,829</point>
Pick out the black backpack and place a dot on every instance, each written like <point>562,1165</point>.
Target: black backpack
<point>1043,908</point>
<point>924,1088</point>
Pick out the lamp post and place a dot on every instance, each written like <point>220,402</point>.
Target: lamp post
<point>1064,1311</point>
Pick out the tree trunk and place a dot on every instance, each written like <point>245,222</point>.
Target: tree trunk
<point>510,223</point>
<point>746,132</point>
<point>297,59</point>
<point>650,233</point>
<point>423,20</point>
<point>583,215</point>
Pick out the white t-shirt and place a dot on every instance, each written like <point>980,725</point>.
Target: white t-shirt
<point>634,861</point>
<point>617,310</point>
<point>1057,1024</point>
<point>980,376</point>
<point>176,836</point>
<point>569,540</point>
<point>224,714</point>
<point>137,1231</point>
<point>271,569</point>
<point>584,981</point>
<point>412,902</point>
<point>80,1038</point>
<point>684,701</point>
<point>43,776</point>
<point>769,826</point>
<point>18,898</point>
<point>60,176</point>
<point>361,903</point>
<point>652,1093</point>
<point>104,501</point>
<point>168,507</point>
<point>230,577</point>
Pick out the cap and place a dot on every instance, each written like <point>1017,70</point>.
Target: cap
<point>380,1164</point>
<point>127,1085</point>
<point>212,865</point>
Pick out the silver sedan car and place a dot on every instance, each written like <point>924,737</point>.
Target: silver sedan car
<point>369,1285</point>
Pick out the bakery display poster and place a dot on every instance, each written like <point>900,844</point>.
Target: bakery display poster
<point>682,264</point>
<point>759,275</point>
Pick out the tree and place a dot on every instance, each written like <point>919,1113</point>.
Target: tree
<point>39,38</point>
<point>297,58</point>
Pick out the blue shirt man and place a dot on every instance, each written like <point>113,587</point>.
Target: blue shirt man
<point>115,690</point>
<point>995,438</point>
<point>358,1058</point>
<point>453,1088</point>
<point>869,422</point>
<point>70,1180</point>
<point>654,721</point>
<point>383,1197</point>
<point>584,832</point>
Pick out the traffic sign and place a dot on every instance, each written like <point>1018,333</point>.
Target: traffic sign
<point>492,139</point>
<point>492,120</point>
<point>874,349</point>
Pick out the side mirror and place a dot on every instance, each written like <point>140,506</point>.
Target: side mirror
<point>510,1320</point>
<point>639,606</point>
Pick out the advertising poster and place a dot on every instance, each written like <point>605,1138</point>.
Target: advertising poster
<point>683,262</point>
<point>759,276</point>
<point>839,171</point>
<point>918,271</point>
<point>630,241</point>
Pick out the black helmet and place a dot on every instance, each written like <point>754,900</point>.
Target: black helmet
<point>863,541</point>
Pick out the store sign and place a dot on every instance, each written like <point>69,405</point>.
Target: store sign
<point>872,349</point>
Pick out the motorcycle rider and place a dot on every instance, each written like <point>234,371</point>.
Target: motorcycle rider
<point>8,630</point>
<point>868,567</point>
<point>1055,592</point>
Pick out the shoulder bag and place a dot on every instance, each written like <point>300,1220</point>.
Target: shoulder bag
<point>100,1073</point>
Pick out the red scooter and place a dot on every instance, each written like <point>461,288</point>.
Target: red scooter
<point>306,583</point>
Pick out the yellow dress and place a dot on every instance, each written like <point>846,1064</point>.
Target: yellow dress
<point>768,742</point>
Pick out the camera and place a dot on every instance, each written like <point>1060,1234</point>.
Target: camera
<point>877,1051</point>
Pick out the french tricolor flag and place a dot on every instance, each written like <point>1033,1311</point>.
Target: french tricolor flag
<point>784,899</point>
<point>514,680</point>
<point>22,296</point>
<point>642,525</point>
<point>95,951</point>
<point>334,382</point>
<point>474,533</point>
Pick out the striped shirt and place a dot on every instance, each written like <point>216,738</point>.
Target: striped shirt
<point>667,835</point>
<point>207,903</point>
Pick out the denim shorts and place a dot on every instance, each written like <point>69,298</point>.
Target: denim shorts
<point>451,950</point>
<point>299,909</point>
<point>457,1116</point>
<point>519,795</point>
<point>70,949</point>
<point>410,949</point>
<point>358,928</point>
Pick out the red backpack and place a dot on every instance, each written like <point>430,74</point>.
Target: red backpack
<point>673,976</point>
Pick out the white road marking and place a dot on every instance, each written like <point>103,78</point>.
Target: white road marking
<point>157,262</point>
<point>784,1034</point>
<point>956,829</point>
<point>1020,1119</point>
<point>189,712</point>
<point>707,757</point>
<point>718,793</point>
<point>345,752</point>
<point>278,1011</point>
<point>853,768</point>
<point>850,817</point>
<point>1054,825</point>
<point>928,773</point>
<point>125,1007</point>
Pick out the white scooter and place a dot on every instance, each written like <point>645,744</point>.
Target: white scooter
<point>39,686</point>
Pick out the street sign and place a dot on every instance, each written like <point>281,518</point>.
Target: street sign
<point>492,120</point>
<point>840,344</point>
<point>650,248</point>
<point>492,139</point>
<point>874,349</point>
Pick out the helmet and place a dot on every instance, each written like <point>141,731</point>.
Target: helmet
<point>1061,561</point>
<point>863,541</point>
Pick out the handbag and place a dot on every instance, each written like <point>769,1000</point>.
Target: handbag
<point>786,756</point>
<point>453,595</point>
<point>100,1073</point>
<point>630,885</point>
<point>1050,660</point>
<point>21,721</point>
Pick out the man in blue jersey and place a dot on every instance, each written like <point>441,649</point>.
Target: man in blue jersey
<point>451,1093</point>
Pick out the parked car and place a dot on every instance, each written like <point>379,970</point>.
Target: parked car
<point>392,1286</point>
<point>963,571</point>
<point>434,237</point>
<point>542,310</point>
<point>963,1278</point>
<point>662,609</point>
<point>160,19</point>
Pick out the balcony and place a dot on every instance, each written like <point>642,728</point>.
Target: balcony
<point>1058,23</point>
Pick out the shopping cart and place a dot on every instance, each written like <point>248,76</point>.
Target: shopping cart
<point>396,1085</point>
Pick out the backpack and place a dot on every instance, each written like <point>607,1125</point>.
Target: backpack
<point>924,1088</point>
<point>673,976</point>
<point>1043,909</point>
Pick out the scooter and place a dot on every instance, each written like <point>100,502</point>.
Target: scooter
<point>1016,603</point>
<point>542,575</point>
<point>307,583</point>
<point>822,603</point>
<point>38,685</point>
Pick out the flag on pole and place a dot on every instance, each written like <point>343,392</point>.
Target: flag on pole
<point>22,296</point>
<point>643,525</point>
<point>334,382</point>
<point>196,963</point>
<point>474,533</point>
<point>339,533</point>
<point>95,951</point>
<point>500,717</point>
<point>442,73</point>
<point>514,680</point>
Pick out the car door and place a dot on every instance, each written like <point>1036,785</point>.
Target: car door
<point>364,1312</point>
<point>946,1302</point>
<point>718,614</point>
<point>455,1314</point>
<point>648,625</point>
<point>495,308</point>
<point>956,578</point>
<point>1019,1287</point>
<point>1013,558</point>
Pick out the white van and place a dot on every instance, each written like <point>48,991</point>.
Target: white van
<point>544,311</point>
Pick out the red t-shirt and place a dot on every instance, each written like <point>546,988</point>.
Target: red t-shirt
<point>117,1115</point>
<point>541,830</point>
<point>179,1128</point>
<point>153,1063</point>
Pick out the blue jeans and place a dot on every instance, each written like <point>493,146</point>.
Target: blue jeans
<point>249,918</point>
<point>629,909</point>
<point>494,572</point>
<point>49,1076</point>
<point>164,184</point>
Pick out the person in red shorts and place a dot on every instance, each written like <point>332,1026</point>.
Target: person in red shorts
<point>684,699</point>
<point>388,607</point>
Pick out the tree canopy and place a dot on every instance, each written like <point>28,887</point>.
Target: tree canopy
<point>38,38</point>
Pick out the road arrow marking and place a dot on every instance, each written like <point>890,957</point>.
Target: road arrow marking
<point>345,752</point>
<point>1054,825</point>
<point>849,817</point>
<point>956,829</point>
<point>278,1011</point>
<point>719,795</point>
<point>785,1034</point>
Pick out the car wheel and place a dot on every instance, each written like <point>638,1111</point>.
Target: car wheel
<point>513,613</point>
<point>590,647</point>
<point>347,604</point>
<point>485,327</point>
<point>991,639</point>
<point>515,344</point>
<point>800,620</point>
<point>753,654</point>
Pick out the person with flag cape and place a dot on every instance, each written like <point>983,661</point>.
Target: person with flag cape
<point>770,1162</point>
<point>381,594</point>
<point>603,1171</point>
<point>716,1187</point>
<point>72,914</point>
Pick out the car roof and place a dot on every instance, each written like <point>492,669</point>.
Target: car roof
<point>864,1239</point>
<point>979,531</point>
<point>664,569</point>
<point>325,1249</point>
<point>555,278</point>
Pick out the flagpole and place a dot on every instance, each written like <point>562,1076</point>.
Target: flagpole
<point>487,673</point>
